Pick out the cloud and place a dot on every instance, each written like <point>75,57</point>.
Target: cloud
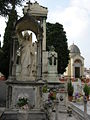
<point>75,19</point>
<point>2,28</point>
<point>85,4</point>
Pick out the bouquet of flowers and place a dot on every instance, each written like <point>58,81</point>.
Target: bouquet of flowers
<point>52,95</point>
<point>22,101</point>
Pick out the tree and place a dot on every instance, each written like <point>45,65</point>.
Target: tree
<point>6,5</point>
<point>7,8</point>
<point>7,46</point>
<point>56,36</point>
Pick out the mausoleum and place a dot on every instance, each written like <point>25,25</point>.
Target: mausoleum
<point>75,67</point>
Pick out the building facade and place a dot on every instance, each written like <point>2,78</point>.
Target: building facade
<point>75,67</point>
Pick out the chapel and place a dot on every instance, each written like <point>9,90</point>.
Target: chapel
<point>75,68</point>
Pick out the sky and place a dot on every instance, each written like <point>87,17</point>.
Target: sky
<point>74,15</point>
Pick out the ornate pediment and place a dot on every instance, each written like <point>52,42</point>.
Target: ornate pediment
<point>36,9</point>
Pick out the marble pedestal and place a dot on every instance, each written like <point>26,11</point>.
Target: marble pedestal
<point>24,115</point>
<point>28,89</point>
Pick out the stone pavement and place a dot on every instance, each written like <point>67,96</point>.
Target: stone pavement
<point>65,116</point>
<point>78,110</point>
<point>81,107</point>
<point>62,116</point>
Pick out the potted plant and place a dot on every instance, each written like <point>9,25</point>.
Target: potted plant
<point>86,90</point>
<point>70,90</point>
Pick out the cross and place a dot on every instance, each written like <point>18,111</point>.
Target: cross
<point>28,4</point>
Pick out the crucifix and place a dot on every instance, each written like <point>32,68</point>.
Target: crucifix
<point>28,10</point>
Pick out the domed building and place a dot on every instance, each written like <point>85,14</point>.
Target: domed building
<point>75,67</point>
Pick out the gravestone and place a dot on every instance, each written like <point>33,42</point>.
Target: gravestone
<point>26,92</point>
<point>22,83</point>
<point>31,72</point>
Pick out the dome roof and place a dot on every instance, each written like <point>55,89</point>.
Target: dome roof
<point>74,49</point>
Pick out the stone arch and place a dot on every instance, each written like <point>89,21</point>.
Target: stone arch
<point>77,68</point>
<point>28,23</point>
<point>77,61</point>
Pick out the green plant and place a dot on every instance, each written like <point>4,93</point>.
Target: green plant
<point>22,101</point>
<point>89,89</point>
<point>44,89</point>
<point>70,88</point>
<point>86,90</point>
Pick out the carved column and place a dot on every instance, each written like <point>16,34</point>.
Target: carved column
<point>14,57</point>
<point>39,57</point>
<point>44,34</point>
<point>11,62</point>
<point>72,68</point>
<point>9,97</point>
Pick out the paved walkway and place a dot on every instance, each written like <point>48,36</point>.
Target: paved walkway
<point>65,116</point>
<point>81,107</point>
<point>62,116</point>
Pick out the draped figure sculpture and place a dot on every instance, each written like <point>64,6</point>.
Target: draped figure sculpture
<point>26,56</point>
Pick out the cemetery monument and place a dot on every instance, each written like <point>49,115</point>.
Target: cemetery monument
<point>33,67</point>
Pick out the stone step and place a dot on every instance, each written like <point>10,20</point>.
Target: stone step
<point>2,109</point>
<point>62,109</point>
<point>24,115</point>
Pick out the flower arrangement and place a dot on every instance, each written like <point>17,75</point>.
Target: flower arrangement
<point>52,95</point>
<point>22,101</point>
<point>76,96</point>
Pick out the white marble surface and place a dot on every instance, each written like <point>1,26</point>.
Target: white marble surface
<point>81,107</point>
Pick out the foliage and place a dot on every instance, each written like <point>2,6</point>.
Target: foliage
<point>44,89</point>
<point>56,36</point>
<point>86,90</point>
<point>70,88</point>
<point>89,89</point>
<point>22,101</point>
<point>7,46</point>
<point>6,6</point>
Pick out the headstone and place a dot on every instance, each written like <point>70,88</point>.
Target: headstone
<point>24,92</point>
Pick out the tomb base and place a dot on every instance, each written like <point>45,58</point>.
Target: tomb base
<point>23,115</point>
<point>30,90</point>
